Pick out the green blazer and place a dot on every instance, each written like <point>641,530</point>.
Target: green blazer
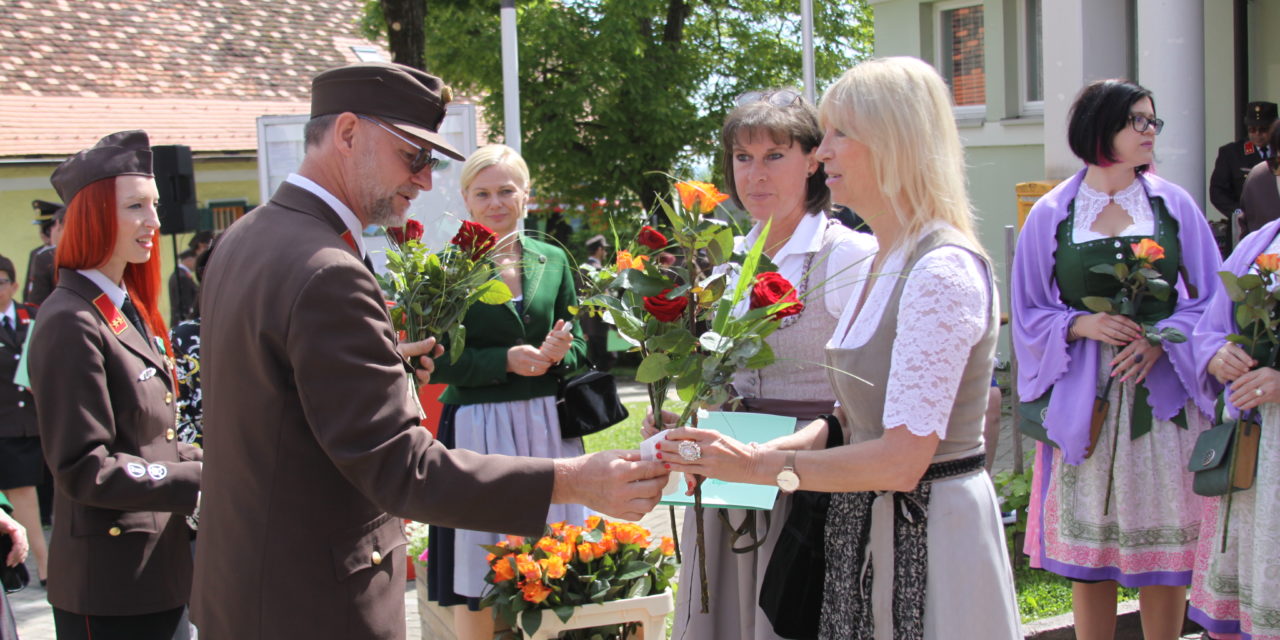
<point>480,374</point>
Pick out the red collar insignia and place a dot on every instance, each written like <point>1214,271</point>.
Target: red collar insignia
<point>111,314</point>
<point>24,316</point>
<point>350,240</point>
<point>1249,149</point>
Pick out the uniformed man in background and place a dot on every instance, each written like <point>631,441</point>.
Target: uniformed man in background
<point>1235,159</point>
<point>39,274</point>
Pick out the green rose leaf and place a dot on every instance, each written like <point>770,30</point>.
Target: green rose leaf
<point>494,292</point>
<point>1098,304</point>
<point>653,368</point>
<point>531,620</point>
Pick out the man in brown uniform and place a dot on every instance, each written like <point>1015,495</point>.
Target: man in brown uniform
<point>312,451</point>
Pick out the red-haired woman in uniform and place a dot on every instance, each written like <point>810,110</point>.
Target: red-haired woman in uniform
<point>102,375</point>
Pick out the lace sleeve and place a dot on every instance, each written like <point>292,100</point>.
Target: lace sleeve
<point>943,312</point>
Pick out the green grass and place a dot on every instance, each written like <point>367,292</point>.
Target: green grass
<point>625,434</point>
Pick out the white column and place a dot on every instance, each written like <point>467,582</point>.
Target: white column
<point>1088,40</point>
<point>806,56</point>
<point>1170,57</point>
<point>510,76</point>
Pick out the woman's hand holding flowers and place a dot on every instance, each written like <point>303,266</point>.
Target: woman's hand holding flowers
<point>1255,388</point>
<point>1230,362</point>
<point>1115,330</point>
<point>1135,361</point>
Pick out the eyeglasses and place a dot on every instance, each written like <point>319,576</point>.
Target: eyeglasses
<point>4,282</point>
<point>421,160</point>
<point>1141,123</point>
<point>779,98</point>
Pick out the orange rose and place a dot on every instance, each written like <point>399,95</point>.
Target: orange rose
<point>515,542</point>
<point>1147,251</point>
<point>593,522</point>
<point>535,592</point>
<point>528,568</point>
<point>587,552</point>
<point>552,567</point>
<point>1268,263</point>
<point>503,571</point>
<point>632,534</point>
<point>699,197</point>
<point>668,546</point>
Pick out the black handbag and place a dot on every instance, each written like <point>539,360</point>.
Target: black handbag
<point>13,578</point>
<point>588,403</point>
<point>791,592</point>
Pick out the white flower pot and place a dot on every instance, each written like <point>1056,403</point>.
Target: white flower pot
<point>651,611</point>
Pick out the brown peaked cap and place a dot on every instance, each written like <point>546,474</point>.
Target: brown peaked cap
<point>120,154</point>
<point>407,98</point>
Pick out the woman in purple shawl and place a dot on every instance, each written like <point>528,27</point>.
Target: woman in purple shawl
<point>1237,589</point>
<point>1126,514</point>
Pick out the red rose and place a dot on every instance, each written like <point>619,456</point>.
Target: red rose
<point>664,308</point>
<point>475,238</point>
<point>771,288</point>
<point>412,230</point>
<point>651,238</point>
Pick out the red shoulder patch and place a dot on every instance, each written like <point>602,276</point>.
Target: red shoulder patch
<point>1249,149</point>
<point>350,240</point>
<point>24,316</point>
<point>113,316</point>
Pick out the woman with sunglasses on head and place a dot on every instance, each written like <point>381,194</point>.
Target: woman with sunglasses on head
<point>102,375</point>
<point>1112,504</point>
<point>913,542</point>
<point>502,390</point>
<point>769,144</point>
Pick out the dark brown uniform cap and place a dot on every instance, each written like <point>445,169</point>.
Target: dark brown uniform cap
<point>125,153</point>
<point>45,210</point>
<point>1259,114</point>
<point>411,100</point>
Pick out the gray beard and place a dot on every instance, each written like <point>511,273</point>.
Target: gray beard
<point>383,214</point>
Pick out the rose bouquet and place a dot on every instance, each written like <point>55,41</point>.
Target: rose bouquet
<point>1255,296</point>
<point>680,314</point>
<point>431,292</point>
<point>571,566</point>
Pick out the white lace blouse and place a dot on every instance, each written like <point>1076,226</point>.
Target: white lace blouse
<point>944,311</point>
<point>1090,202</point>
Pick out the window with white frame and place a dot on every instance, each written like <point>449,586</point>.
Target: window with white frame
<point>960,42</point>
<point>1031,57</point>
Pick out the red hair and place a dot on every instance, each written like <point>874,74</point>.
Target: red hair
<point>89,237</point>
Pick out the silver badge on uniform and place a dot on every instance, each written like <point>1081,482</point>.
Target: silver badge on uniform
<point>157,471</point>
<point>146,374</point>
<point>135,469</point>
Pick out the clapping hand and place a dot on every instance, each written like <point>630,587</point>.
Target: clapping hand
<point>558,341</point>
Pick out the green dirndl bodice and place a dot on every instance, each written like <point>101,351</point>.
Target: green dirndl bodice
<point>1072,264</point>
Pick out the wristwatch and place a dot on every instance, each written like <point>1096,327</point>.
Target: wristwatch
<point>787,479</point>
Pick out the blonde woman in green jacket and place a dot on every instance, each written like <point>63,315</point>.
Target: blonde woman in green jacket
<point>501,395</point>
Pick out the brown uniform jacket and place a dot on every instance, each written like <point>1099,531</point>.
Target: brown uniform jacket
<point>105,406</point>
<point>17,407</point>
<point>312,447</point>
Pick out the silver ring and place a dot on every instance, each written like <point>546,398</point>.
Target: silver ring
<point>690,450</point>
<point>1258,392</point>
<point>532,368</point>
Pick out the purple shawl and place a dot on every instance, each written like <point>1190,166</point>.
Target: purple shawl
<point>1040,319</point>
<point>1218,319</point>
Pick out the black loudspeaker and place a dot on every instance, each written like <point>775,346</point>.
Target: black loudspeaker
<point>176,180</point>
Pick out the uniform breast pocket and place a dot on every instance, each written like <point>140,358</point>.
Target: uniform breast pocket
<point>366,546</point>
<point>88,522</point>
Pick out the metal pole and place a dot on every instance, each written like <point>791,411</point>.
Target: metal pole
<point>1010,242</point>
<point>806,61</point>
<point>510,76</point>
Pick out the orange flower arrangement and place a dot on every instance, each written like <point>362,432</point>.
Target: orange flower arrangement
<point>571,566</point>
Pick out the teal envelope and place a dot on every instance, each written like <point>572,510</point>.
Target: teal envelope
<point>20,376</point>
<point>743,427</point>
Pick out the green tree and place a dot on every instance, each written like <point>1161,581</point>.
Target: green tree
<point>614,92</point>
